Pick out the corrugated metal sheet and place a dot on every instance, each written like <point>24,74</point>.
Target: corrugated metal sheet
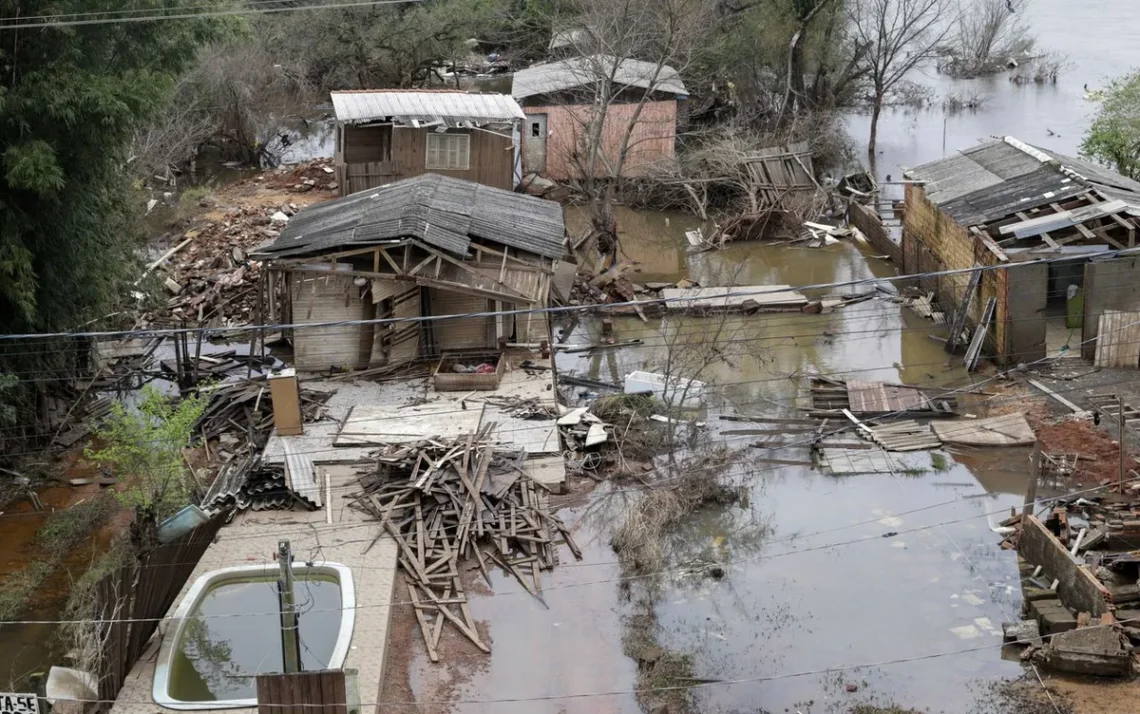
<point>999,178</point>
<point>439,210</point>
<point>1003,160</point>
<point>1022,193</point>
<point>301,476</point>
<point>553,77</point>
<point>451,108</point>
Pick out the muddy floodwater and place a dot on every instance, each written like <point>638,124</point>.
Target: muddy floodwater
<point>1097,37</point>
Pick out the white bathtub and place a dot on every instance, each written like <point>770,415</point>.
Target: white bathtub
<point>191,602</point>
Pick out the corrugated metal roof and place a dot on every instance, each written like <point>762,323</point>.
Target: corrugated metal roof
<point>1003,160</point>
<point>999,178</point>
<point>1111,183</point>
<point>441,211</point>
<point>552,77</point>
<point>1042,187</point>
<point>452,108</point>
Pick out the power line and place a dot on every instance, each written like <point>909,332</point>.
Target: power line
<point>198,15</point>
<point>714,683</point>
<point>1101,256</point>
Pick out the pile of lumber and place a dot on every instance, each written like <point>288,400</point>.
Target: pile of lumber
<point>447,501</point>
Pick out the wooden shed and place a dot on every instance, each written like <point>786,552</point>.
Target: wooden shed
<point>388,135</point>
<point>380,261</point>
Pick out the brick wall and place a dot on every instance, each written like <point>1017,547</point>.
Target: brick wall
<point>868,221</point>
<point>934,242</point>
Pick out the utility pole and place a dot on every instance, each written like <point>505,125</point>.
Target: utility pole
<point>1034,476</point>
<point>290,635</point>
<point>1120,428</point>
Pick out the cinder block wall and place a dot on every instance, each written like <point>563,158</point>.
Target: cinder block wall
<point>935,242</point>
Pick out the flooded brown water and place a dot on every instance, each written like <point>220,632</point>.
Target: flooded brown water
<point>1099,40</point>
<point>26,649</point>
<point>813,585</point>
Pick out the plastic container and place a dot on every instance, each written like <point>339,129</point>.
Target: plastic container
<point>181,523</point>
<point>674,391</point>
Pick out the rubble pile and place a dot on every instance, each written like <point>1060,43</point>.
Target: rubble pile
<point>1080,571</point>
<point>317,175</point>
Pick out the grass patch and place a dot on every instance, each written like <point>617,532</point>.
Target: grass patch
<point>67,528</point>
<point>658,669</point>
<point>640,540</point>
<point>190,202</point>
<point>20,587</point>
<point>940,462</point>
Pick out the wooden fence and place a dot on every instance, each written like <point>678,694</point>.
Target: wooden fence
<point>354,178</point>
<point>320,692</point>
<point>131,601</point>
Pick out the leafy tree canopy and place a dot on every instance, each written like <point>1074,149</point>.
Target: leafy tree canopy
<point>70,99</point>
<point>1114,136</point>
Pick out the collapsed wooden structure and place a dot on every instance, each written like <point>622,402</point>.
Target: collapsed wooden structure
<point>446,501</point>
<point>426,246</point>
<point>829,397</point>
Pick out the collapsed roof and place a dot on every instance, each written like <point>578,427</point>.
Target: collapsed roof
<point>441,211</point>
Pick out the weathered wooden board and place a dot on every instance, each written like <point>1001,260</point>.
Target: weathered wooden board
<point>1006,430</point>
<point>877,397</point>
<point>375,424</point>
<point>1118,339</point>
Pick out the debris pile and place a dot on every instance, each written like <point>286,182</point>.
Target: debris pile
<point>317,175</point>
<point>235,427</point>
<point>1080,570</point>
<point>445,501</point>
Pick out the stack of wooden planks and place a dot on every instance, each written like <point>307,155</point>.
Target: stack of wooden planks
<point>448,501</point>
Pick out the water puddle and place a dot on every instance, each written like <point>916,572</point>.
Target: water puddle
<point>235,634</point>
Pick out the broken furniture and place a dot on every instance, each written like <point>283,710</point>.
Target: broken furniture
<point>285,393</point>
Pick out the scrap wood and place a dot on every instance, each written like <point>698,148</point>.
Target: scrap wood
<point>445,498</point>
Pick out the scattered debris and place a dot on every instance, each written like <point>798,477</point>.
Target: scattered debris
<point>829,397</point>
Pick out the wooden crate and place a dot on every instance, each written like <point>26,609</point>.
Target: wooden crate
<point>446,380</point>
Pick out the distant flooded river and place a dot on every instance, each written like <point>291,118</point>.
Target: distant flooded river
<point>1100,40</point>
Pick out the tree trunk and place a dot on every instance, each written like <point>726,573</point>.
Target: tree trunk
<point>876,110</point>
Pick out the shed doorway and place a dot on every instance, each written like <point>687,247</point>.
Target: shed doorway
<point>534,143</point>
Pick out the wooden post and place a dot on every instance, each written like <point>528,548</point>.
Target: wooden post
<point>1120,427</point>
<point>1034,477</point>
<point>290,636</point>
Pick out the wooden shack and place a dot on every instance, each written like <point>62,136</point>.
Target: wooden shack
<point>560,100</point>
<point>388,135</point>
<point>380,261</point>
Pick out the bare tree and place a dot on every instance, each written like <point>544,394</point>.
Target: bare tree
<point>898,36</point>
<point>248,97</point>
<point>173,137</point>
<point>989,34</point>
<point>656,39</point>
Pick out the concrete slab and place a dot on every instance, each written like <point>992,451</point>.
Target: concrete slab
<point>333,534</point>
<point>1096,651</point>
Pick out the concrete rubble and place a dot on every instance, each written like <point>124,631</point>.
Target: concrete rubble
<point>1080,589</point>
